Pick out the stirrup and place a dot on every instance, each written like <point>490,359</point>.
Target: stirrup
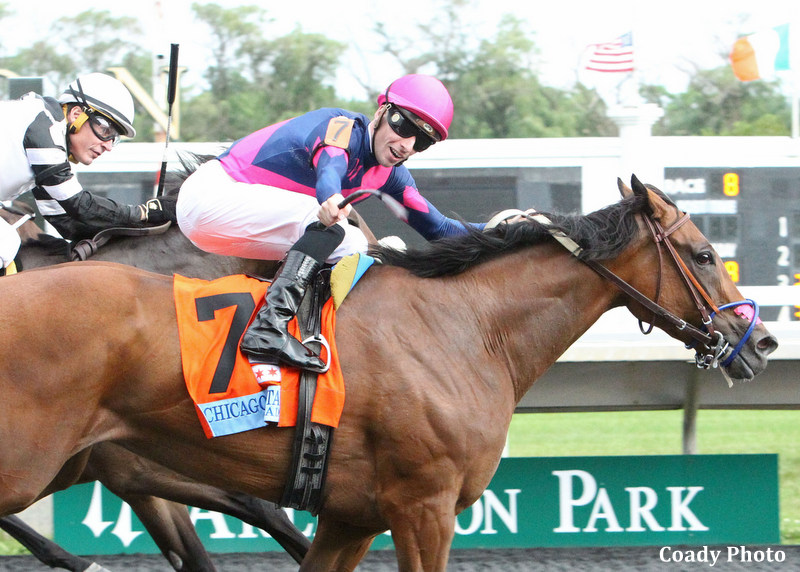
<point>320,339</point>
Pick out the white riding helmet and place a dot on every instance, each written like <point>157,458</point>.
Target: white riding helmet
<point>105,94</point>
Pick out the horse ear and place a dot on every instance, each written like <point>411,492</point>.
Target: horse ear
<point>624,190</point>
<point>657,206</point>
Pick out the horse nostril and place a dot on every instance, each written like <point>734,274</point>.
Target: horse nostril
<point>767,344</point>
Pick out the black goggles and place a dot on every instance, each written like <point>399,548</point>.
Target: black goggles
<point>103,128</point>
<point>406,124</point>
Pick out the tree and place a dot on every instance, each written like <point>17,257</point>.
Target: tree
<point>301,67</point>
<point>95,39</point>
<point>493,81</point>
<point>5,11</point>
<point>231,29</point>
<point>86,42</point>
<point>716,103</point>
<point>255,80</point>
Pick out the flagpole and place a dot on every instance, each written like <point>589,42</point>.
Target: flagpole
<point>794,70</point>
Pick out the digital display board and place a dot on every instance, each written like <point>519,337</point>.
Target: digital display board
<point>752,218</point>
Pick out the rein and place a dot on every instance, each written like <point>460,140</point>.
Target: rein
<point>710,340</point>
<point>88,247</point>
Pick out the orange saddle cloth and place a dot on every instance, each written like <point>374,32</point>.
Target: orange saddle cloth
<point>212,317</point>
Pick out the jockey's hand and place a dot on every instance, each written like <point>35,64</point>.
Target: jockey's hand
<point>158,211</point>
<point>330,213</point>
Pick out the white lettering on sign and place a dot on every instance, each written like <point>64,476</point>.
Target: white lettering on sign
<point>484,510</point>
<point>640,504</point>
<point>216,519</point>
<point>685,186</point>
<point>725,249</point>
<point>708,206</point>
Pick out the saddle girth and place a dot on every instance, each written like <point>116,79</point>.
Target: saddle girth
<point>312,441</point>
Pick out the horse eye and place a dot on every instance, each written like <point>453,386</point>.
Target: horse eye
<point>704,258</point>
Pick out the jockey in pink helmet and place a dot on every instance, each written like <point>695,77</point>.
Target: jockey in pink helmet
<point>279,189</point>
<point>426,98</point>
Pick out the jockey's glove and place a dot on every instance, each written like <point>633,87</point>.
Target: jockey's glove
<point>158,211</point>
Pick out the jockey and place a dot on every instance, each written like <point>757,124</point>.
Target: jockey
<point>43,135</point>
<point>278,190</point>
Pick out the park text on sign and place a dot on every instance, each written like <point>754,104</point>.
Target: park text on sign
<point>659,500</point>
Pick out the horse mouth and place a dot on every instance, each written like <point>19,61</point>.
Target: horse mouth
<point>743,374</point>
<point>750,361</point>
<point>740,370</point>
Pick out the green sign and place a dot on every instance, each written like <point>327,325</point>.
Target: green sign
<point>554,501</point>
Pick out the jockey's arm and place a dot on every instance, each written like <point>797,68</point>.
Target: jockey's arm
<point>85,214</point>
<point>331,167</point>
<point>73,211</point>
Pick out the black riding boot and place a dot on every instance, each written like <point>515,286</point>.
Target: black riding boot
<point>267,340</point>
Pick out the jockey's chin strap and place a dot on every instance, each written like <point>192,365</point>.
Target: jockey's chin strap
<point>712,343</point>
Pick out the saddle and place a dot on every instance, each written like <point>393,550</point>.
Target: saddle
<point>311,446</point>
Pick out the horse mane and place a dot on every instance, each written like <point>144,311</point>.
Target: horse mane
<point>190,162</point>
<point>602,234</point>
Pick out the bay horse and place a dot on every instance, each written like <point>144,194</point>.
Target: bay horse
<point>464,328</point>
<point>145,485</point>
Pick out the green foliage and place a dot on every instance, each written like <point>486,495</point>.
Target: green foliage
<point>90,41</point>
<point>716,103</point>
<point>95,39</point>
<point>231,29</point>
<point>255,81</point>
<point>5,10</point>
<point>496,91</point>
<point>256,77</point>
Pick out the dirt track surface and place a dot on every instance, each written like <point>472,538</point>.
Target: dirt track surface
<point>538,559</point>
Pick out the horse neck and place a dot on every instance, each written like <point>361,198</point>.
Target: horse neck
<point>533,306</point>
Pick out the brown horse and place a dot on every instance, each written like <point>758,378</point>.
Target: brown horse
<point>465,328</point>
<point>145,485</point>
<point>142,484</point>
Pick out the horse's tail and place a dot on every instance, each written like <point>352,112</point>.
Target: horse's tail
<point>190,162</point>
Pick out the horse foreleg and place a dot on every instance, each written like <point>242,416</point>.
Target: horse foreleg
<point>47,551</point>
<point>337,547</point>
<point>173,532</point>
<point>422,534</point>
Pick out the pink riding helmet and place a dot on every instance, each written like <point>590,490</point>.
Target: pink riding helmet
<point>425,96</point>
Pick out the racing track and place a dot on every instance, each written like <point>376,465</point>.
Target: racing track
<point>639,559</point>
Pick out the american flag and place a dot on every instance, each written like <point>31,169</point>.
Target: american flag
<point>610,57</point>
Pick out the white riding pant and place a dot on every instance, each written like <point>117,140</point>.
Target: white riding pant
<point>224,216</point>
<point>9,243</point>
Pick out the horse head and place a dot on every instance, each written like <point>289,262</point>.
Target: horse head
<point>691,295</point>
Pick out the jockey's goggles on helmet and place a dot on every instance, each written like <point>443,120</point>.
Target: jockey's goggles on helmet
<point>103,128</point>
<point>406,124</point>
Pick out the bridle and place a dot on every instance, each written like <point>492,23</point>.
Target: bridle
<point>710,345</point>
<point>714,346</point>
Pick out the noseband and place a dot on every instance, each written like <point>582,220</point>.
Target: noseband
<point>710,345</point>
